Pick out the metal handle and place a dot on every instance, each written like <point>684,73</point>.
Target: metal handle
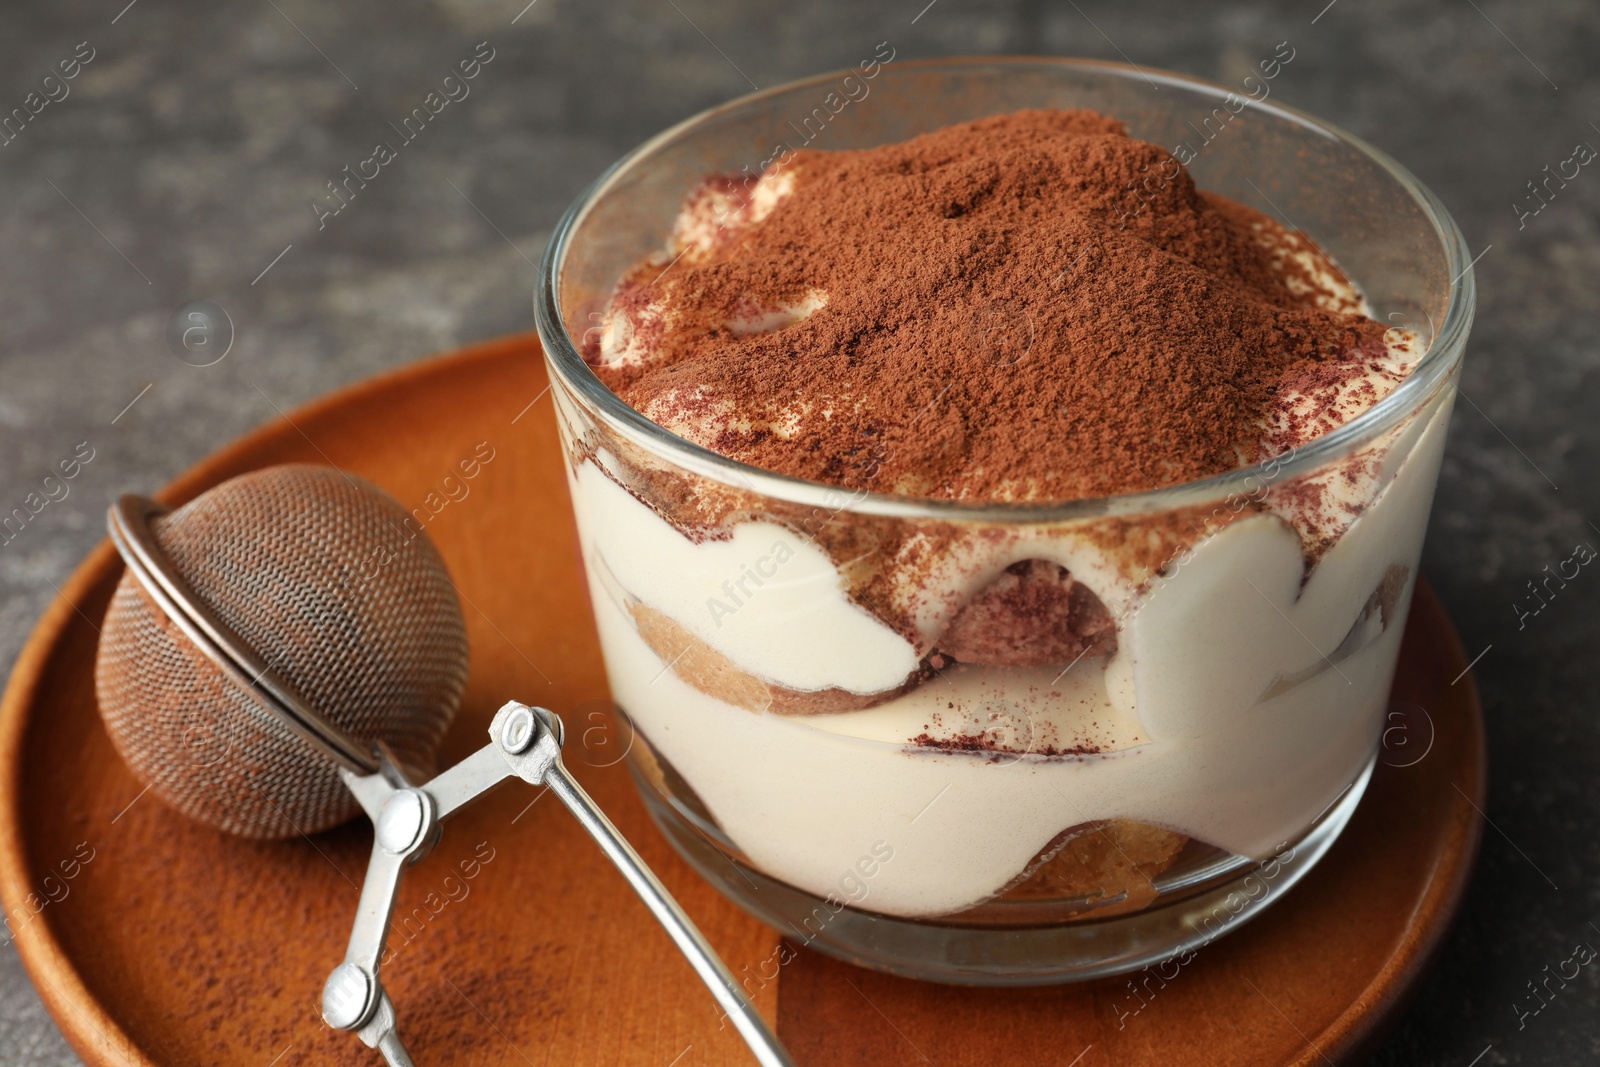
<point>525,743</point>
<point>690,941</point>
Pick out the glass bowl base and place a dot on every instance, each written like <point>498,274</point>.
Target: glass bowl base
<point>1163,936</point>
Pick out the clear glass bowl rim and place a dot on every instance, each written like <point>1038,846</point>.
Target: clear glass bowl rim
<point>1432,370</point>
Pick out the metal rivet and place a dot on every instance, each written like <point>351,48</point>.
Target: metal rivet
<point>518,732</point>
<point>400,822</point>
<point>346,997</point>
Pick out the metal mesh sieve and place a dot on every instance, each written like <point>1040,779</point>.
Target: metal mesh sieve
<point>342,597</point>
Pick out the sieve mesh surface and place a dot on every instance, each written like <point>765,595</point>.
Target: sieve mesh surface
<point>321,575</point>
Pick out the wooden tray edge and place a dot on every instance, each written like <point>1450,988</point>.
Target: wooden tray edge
<point>1392,988</point>
<point>90,1032</point>
<point>217,466</point>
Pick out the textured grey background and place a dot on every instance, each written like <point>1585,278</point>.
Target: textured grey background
<point>185,156</point>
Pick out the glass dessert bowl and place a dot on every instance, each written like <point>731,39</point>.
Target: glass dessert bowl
<point>1001,730</point>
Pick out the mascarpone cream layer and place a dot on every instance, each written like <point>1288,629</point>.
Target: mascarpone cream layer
<point>1188,741</point>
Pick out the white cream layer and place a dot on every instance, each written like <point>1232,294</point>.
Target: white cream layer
<point>766,598</point>
<point>1202,754</point>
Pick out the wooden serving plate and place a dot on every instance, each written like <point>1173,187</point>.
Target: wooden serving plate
<point>157,941</point>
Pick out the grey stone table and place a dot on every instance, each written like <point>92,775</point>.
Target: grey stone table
<point>181,160</point>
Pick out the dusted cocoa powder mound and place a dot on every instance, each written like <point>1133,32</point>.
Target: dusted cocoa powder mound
<point>1033,306</point>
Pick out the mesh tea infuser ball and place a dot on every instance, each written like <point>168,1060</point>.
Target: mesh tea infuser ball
<point>320,577</point>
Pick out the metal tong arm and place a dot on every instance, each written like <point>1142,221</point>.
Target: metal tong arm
<point>525,743</point>
<point>690,941</point>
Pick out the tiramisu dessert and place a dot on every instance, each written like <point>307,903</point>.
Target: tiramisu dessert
<point>997,701</point>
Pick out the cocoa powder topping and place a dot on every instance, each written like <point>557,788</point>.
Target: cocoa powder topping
<point>1033,306</point>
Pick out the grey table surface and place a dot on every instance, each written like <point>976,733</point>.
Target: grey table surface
<point>181,162</point>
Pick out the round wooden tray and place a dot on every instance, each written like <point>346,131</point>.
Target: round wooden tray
<point>156,941</point>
